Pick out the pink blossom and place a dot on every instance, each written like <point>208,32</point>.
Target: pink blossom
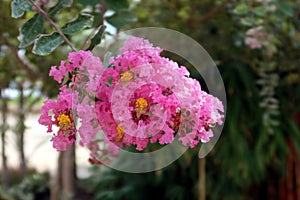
<point>89,123</point>
<point>58,74</point>
<point>81,60</point>
<point>142,97</point>
<point>161,84</point>
<point>135,43</point>
<point>167,136</point>
<point>59,113</point>
<point>62,142</point>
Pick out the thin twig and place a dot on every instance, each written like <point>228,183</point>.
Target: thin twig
<point>102,10</point>
<point>42,12</point>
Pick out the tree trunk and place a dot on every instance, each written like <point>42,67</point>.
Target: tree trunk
<point>68,176</point>
<point>4,175</point>
<point>290,185</point>
<point>21,131</point>
<point>202,177</point>
<point>64,183</point>
<point>57,184</point>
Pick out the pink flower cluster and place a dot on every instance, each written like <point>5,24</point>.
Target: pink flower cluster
<point>62,117</point>
<point>140,98</point>
<point>72,102</point>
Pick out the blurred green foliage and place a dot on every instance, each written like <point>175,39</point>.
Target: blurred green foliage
<point>35,186</point>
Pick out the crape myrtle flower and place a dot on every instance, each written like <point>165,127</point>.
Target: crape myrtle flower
<point>140,98</point>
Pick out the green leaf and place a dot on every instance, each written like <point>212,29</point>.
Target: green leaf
<point>46,44</point>
<point>30,30</point>
<point>286,10</point>
<point>241,9</point>
<point>66,79</point>
<point>121,18</point>
<point>60,5</point>
<point>98,19</point>
<point>260,11</point>
<point>258,21</point>
<point>117,4</point>
<point>97,38</point>
<point>88,2</point>
<point>18,8</point>
<point>247,21</point>
<point>82,22</point>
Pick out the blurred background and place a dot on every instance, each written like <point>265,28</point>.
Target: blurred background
<point>255,45</point>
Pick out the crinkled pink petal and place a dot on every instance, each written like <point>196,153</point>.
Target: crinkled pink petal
<point>168,135</point>
<point>45,119</point>
<point>58,74</point>
<point>61,143</point>
<point>76,58</point>
<point>135,43</point>
<point>141,143</point>
<point>206,135</point>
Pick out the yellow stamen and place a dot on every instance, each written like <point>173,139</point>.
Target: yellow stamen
<point>64,121</point>
<point>127,76</point>
<point>120,134</point>
<point>141,104</point>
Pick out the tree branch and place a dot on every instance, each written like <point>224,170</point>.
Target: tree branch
<point>31,70</point>
<point>192,23</point>
<point>210,14</point>
<point>42,12</point>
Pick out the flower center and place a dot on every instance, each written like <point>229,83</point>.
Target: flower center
<point>141,104</point>
<point>120,134</point>
<point>64,121</point>
<point>127,76</point>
